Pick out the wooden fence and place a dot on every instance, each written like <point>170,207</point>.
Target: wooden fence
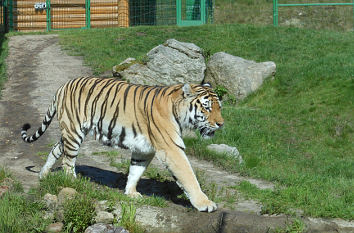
<point>64,14</point>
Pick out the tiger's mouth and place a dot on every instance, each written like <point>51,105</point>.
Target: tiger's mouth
<point>207,133</point>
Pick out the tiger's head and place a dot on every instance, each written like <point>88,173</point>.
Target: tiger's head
<point>203,109</point>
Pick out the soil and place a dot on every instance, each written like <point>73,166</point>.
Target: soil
<point>36,67</point>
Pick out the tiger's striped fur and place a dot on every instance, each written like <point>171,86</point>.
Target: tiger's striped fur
<point>146,119</point>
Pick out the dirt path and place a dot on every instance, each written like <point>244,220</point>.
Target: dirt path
<point>36,67</point>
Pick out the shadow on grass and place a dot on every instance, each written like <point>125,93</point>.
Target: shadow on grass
<point>169,190</point>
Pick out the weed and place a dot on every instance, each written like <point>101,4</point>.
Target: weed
<point>220,91</point>
<point>128,218</point>
<point>78,213</point>
<point>17,214</point>
<point>297,226</point>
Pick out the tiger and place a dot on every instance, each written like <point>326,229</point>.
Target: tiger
<point>148,120</point>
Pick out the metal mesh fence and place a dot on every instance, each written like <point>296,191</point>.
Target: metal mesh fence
<point>260,12</point>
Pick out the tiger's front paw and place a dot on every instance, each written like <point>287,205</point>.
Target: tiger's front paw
<point>134,194</point>
<point>205,205</point>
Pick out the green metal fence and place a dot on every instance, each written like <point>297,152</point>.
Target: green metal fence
<point>276,6</point>
<point>170,12</point>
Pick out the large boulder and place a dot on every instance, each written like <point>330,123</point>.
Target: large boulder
<point>239,76</point>
<point>170,63</point>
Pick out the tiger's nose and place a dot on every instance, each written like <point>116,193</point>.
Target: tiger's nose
<point>220,124</point>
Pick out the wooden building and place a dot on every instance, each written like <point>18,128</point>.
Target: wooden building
<point>32,15</point>
<point>47,15</point>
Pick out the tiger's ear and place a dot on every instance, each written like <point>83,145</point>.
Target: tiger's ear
<point>187,90</point>
<point>207,84</point>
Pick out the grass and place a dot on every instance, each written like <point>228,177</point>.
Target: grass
<point>3,55</point>
<point>260,12</point>
<point>78,219</point>
<point>296,131</point>
<point>19,212</point>
<point>79,213</point>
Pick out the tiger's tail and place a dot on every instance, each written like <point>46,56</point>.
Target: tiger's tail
<point>45,124</point>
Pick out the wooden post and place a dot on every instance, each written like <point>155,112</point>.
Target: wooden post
<point>123,13</point>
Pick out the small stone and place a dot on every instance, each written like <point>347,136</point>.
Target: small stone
<point>117,212</point>
<point>104,217</point>
<point>229,150</point>
<point>66,194</point>
<point>3,189</point>
<point>48,215</point>
<point>55,227</point>
<point>59,214</point>
<point>101,206</point>
<point>51,201</point>
<point>105,228</point>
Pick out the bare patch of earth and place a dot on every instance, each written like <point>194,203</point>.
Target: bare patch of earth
<point>36,67</point>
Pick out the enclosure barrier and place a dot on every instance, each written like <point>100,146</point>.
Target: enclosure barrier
<point>276,5</point>
<point>47,15</point>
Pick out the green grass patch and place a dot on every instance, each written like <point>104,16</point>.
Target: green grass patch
<point>78,213</point>
<point>18,214</point>
<point>296,131</point>
<point>3,55</point>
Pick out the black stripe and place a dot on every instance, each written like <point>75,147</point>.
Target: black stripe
<point>135,112</point>
<point>121,139</point>
<point>125,97</point>
<point>164,91</point>
<point>118,87</point>
<point>143,91</point>
<point>137,161</point>
<point>134,130</point>
<point>112,123</point>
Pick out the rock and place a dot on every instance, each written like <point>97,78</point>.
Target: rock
<point>6,185</point>
<point>48,215</point>
<point>171,63</point>
<point>122,66</point>
<point>66,194</point>
<point>105,228</point>
<point>104,217</point>
<point>295,22</point>
<point>240,77</point>
<point>59,214</point>
<point>117,212</point>
<point>50,200</point>
<point>101,205</point>
<point>55,227</point>
<point>3,189</point>
<point>229,150</point>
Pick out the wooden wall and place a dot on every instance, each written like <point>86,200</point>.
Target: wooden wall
<point>70,14</point>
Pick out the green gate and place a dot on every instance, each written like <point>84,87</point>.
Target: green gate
<point>191,12</point>
<point>3,16</point>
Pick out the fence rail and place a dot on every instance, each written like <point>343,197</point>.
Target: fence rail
<point>47,15</point>
<point>276,5</point>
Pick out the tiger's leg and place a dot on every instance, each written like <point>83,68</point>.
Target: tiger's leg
<point>138,164</point>
<point>71,150</point>
<point>53,156</point>
<point>177,162</point>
